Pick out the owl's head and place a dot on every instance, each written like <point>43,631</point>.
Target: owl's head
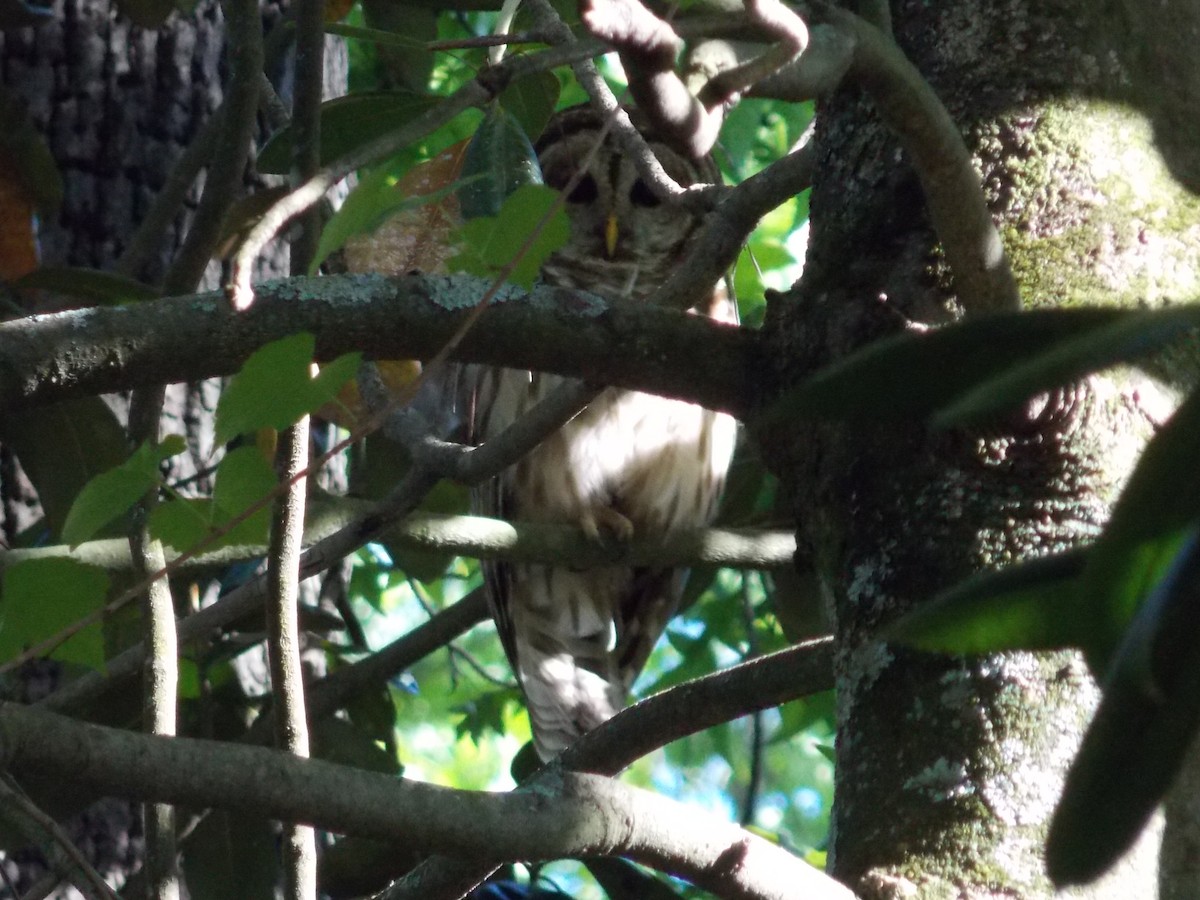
<point>617,223</point>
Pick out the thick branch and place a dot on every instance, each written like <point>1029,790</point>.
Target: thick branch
<point>575,815</point>
<point>654,722</point>
<point>98,350</point>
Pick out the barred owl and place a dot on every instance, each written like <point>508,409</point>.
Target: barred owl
<point>630,464</point>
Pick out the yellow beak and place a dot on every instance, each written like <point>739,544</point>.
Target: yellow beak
<point>611,232</point>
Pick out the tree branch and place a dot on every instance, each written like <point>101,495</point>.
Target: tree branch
<point>908,105</point>
<point>569,815</point>
<point>675,713</point>
<point>477,537</point>
<point>625,344</point>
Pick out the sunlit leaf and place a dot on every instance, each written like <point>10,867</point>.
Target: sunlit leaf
<point>112,493</point>
<point>1160,501</point>
<point>528,226</point>
<point>275,388</point>
<point>244,478</point>
<point>1033,606</point>
<point>41,597</point>
<point>1141,733</point>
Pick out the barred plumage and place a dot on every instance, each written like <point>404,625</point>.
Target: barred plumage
<point>631,463</point>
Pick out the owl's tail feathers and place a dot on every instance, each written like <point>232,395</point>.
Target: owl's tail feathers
<point>565,699</point>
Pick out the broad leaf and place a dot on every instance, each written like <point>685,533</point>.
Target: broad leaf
<point>346,124</point>
<point>1141,732</point>
<point>243,478</point>
<point>1031,606</point>
<point>274,388</point>
<point>91,285</point>
<point>499,159</point>
<point>527,230</point>
<point>531,101</point>
<point>1159,503</point>
<point>62,447</point>
<point>1126,340</point>
<point>914,374</point>
<point>112,493</point>
<point>41,597</point>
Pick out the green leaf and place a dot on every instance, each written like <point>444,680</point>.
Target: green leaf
<point>499,159</point>
<point>1141,732</point>
<point>92,285</point>
<point>244,478</point>
<point>41,597</point>
<point>346,124</point>
<point>1126,340</point>
<point>913,374</point>
<point>62,447</point>
<point>490,244</point>
<point>112,493</point>
<point>374,200</point>
<point>181,522</point>
<point>274,388</point>
<point>1031,606</point>
<point>531,101</point>
<point>1160,501</point>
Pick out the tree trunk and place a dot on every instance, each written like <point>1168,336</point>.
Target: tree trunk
<point>118,105</point>
<point>948,769</point>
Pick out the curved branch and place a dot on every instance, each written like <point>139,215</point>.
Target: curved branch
<point>570,815</point>
<point>98,350</point>
<point>652,723</point>
<point>908,105</point>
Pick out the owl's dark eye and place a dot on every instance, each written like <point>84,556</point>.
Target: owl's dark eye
<point>585,191</point>
<point>641,195</point>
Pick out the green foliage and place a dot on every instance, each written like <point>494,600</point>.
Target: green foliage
<point>346,124</point>
<point>91,286</point>
<point>63,447</point>
<point>1035,606</point>
<point>111,494</point>
<point>1140,735</point>
<point>274,388</point>
<point>529,227</point>
<point>374,200</point>
<point>244,478</point>
<point>41,597</point>
<point>499,159</point>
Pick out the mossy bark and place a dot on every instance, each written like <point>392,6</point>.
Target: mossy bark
<point>948,769</point>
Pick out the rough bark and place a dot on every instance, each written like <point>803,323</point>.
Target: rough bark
<point>118,105</point>
<point>948,769</point>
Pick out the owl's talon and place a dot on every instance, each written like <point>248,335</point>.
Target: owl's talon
<point>606,522</point>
